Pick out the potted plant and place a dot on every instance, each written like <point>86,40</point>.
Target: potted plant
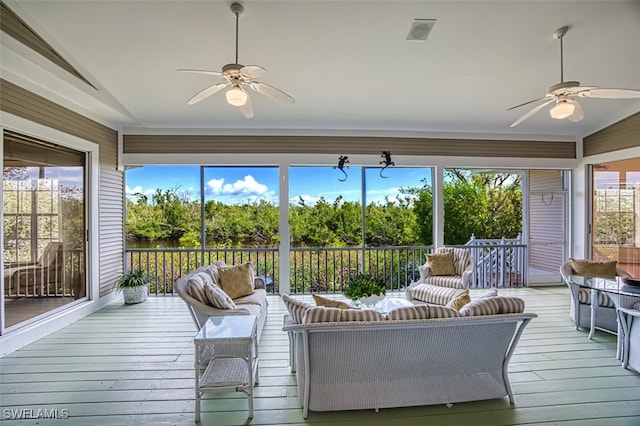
<point>365,289</point>
<point>134,285</point>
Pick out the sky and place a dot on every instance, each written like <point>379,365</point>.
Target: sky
<point>237,185</point>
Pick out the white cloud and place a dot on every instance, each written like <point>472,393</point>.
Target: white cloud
<point>134,190</point>
<point>309,200</point>
<point>247,187</point>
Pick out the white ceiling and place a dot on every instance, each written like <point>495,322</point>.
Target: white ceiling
<point>346,63</point>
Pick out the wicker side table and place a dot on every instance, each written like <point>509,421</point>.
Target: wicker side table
<point>226,357</point>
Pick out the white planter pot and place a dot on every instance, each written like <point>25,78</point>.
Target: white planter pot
<point>133,295</point>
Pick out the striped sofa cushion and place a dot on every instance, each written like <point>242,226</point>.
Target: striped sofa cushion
<point>421,312</point>
<point>409,313</point>
<point>442,312</point>
<point>361,315</point>
<point>321,314</point>
<point>434,293</point>
<point>493,306</point>
<point>296,308</point>
<point>584,297</point>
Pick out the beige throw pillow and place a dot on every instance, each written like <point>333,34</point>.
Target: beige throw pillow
<point>459,300</point>
<point>594,268</point>
<point>441,263</point>
<point>237,280</point>
<point>330,303</point>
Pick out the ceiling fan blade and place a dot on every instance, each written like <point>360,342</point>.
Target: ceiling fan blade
<point>253,71</point>
<point>247,108</point>
<point>208,72</point>
<point>531,112</point>
<point>207,92</point>
<point>578,112</point>
<point>526,103</point>
<point>272,92</point>
<point>610,93</point>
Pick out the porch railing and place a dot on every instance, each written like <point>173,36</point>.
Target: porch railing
<point>500,263</point>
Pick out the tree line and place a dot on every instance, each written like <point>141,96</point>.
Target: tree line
<point>487,205</point>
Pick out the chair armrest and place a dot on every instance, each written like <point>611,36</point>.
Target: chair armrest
<point>630,312</point>
<point>425,271</point>
<point>259,282</point>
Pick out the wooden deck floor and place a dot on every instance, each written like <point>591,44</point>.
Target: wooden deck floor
<point>132,365</point>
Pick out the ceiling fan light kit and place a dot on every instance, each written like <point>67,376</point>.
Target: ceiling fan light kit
<point>238,77</point>
<point>563,109</point>
<point>236,96</point>
<point>563,94</point>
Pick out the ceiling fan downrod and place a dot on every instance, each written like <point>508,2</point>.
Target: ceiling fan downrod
<point>559,34</point>
<point>237,10</point>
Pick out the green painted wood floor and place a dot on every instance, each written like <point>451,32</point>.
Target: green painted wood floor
<point>133,365</point>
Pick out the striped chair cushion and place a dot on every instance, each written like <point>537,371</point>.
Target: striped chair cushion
<point>450,281</point>
<point>493,306</point>
<point>584,297</point>
<point>461,258</point>
<point>321,314</point>
<point>361,315</point>
<point>434,293</point>
<point>409,313</point>
<point>296,308</point>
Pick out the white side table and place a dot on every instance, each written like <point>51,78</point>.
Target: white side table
<point>226,357</point>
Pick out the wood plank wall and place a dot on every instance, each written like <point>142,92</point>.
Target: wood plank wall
<point>23,103</point>
<point>621,135</point>
<point>198,144</point>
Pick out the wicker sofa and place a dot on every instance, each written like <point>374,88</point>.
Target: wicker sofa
<point>394,362</point>
<point>253,304</point>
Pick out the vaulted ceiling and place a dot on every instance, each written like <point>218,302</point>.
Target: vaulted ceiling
<point>347,63</point>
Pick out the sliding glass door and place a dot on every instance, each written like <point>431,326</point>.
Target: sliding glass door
<point>44,196</point>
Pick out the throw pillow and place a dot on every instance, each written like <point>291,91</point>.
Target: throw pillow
<point>296,308</point>
<point>237,280</point>
<point>409,313</point>
<point>196,285</point>
<point>218,298</point>
<point>361,315</point>
<point>213,272</point>
<point>493,306</point>
<point>594,268</point>
<point>459,300</point>
<point>330,303</point>
<point>441,264</point>
<point>322,314</point>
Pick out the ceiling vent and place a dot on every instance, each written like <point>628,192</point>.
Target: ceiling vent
<point>420,29</point>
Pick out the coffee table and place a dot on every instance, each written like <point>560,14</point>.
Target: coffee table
<point>386,305</point>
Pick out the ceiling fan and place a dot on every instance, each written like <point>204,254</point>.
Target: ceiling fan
<point>239,77</point>
<point>565,92</point>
